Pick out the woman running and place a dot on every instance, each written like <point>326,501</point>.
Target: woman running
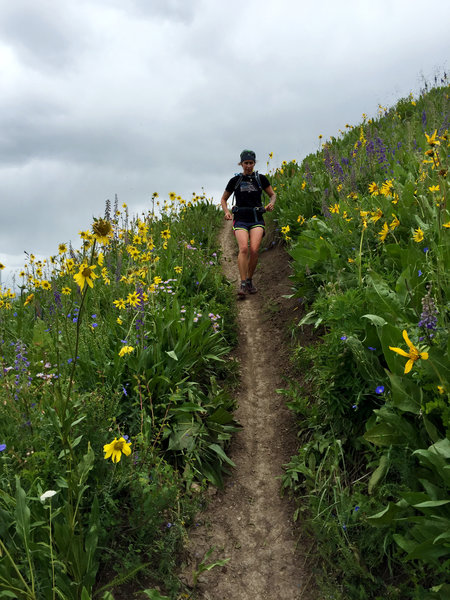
<point>248,223</point>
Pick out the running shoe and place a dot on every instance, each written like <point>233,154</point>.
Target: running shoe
<point>250,287</point>
<point>242,292</point>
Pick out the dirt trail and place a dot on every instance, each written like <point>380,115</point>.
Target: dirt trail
<point>249,522</point>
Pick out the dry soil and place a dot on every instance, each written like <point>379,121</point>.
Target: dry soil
<point>249,521</point>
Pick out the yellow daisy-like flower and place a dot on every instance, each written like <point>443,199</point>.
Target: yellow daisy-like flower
<point>431,139</point>
<point>120,303</point>
<point>70,265</point>
<point>85,275</point>
<point>133,299</point>
<point>157,280</point>
<point>29,299</point>
<point>46,285</point>
<point>418,235</point>
<point>119,321</point>
<point>376,215</point>
<point>178,270</point>
<point>387,188</point>
<point>300,219</point>
<point>172,195</point>
<point>447,224</point>
<point>383,233</point>
<point>126,350</point>
<point>165,234</point>
<point>66,291</point>
<point>116,448</point>
<point>334,209</point>
<point>303,185</point>
<point>394,223</point>
<point>62,248</point>
<point>374,189</point>
<point>285,230</point>
<point>413,354</point>
<point>434,188</point>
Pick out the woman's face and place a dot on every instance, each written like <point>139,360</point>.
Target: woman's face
<point>248,166</point>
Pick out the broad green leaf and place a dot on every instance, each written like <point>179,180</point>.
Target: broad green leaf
<point>379,473</point>
<point>431,503</point>
<point>375,320</point>
<point>406,395</point>
<point>222,454</point>
<point>172,354</point>
<point>386,516</point>
<point>384,434</point>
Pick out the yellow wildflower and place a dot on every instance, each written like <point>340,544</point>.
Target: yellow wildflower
<point>431,140</point>
<point>115,449</point>
<point>413,354</point>
<point>66,291</point>
<point>85,275</point>
<point>133,299</point>
<point>62,248</point>
<point>376,215</point>
<point>374,189</point>
<point>434,188</point>
<point>120,303</point>
<point>394,223</point>
<point>300,219</point>
<point>126,350</point>
<point>29,299</point>
<point>447,224</point>
<point>418,235</point>
<point>383,233</point>
<point>178,269</point>
<point>334,209</point>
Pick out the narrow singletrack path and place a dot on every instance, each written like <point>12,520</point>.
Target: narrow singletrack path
<point>249,521</point>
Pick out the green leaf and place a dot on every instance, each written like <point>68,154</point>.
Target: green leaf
<point>406,395</point>
<point>379,473</point>
<point>22,514</point>
<point>375,320</point>
<point>384,434</point>
<point>172,354</point>
<point>222,454</point>
<point>431,503</point>
<point>154,595</point>
<point>386,516</point>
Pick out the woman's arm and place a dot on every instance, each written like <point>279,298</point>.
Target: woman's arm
<point>269,191</point>
<point>223,202</point>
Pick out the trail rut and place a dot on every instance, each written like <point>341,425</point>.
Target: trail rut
<point>249,522</point>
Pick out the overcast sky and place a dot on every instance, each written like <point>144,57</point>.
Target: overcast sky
<point>131,97</point>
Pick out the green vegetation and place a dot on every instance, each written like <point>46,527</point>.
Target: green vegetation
<point>113,413</point>
<point>367,225</point>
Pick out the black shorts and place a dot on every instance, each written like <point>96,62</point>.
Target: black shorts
<point>237,225</point>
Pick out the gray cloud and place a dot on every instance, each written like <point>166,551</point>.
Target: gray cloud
<point>133,96</point>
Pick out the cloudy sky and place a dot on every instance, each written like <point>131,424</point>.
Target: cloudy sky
<point>131,97</point>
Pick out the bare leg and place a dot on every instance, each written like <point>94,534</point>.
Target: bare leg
<point>242,238</point>
<point>256,235</point>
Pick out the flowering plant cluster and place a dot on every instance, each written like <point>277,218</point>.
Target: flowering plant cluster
<point>368,223</point>
<point>109,356</point>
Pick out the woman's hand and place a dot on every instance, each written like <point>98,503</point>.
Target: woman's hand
<point>228,216</point>
<point>270,207</point>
